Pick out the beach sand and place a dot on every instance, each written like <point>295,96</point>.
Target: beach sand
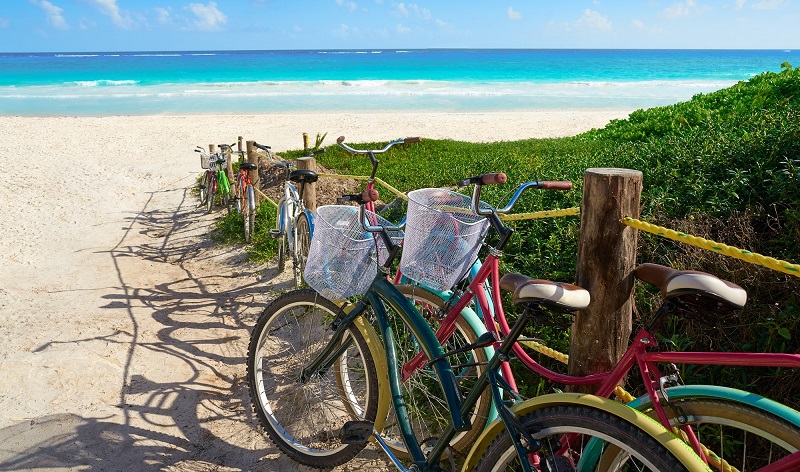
<point>123,327</point>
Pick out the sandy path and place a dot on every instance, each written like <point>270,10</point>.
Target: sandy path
<point>123,328</point>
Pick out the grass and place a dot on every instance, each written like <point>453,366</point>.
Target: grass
<point>724,166</point>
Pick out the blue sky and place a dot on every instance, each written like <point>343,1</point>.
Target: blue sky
<point>136,25</point>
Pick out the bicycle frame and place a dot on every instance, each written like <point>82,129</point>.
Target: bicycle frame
<point>640,353</point>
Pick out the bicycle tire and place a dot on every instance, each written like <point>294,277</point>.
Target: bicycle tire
<point>281,226</point>
<point>247,212</point>
<point>549,425</point>
<point>422,391</point>
<point>301,245</point>
<point>203,191</point>
<point>210,193</point>
<point>744,436</point>
<point>304,420</point>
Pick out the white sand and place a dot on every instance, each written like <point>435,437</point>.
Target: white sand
<point>123,329</point>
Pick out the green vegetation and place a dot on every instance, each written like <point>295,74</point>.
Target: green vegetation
<point>724,166</point>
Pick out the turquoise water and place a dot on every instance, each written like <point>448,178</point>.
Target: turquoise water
<point>446,80</point>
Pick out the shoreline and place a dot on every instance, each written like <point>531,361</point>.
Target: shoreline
<point>179,133</point>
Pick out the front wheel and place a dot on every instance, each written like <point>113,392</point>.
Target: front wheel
<point>305,420</point>
<point>565,431</point>
<point>211,187</point>
<point>203,188</point>
<point>301,245</point>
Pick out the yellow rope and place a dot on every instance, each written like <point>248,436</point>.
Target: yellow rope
<point>713,459</point>
<point>542,214</point>
<point>747,256</point>
<point>266,197</point>
<point>361,177</point>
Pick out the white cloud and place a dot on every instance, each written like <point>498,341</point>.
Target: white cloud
<point>406,11</point>
<point>350,5</point>
<point>401,29</point>
<point>342,31</point>
<point>679,10</point>
<point>54,14</point>
<point>740,4</point>
<point>767,5</point>
<point>594,21</point>
<point>513,15</point>
<point>444,25</point>
<point>206,17</point>
<point>111,9</point>
<point>4,22</point>
<point>163,16</point>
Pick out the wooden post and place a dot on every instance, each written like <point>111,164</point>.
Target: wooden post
<point>305,142</point>
<point>310,190</point>
<point>252,157</point>
<point>606,259</point>
<point>239,144</point>
<point>229,165</point>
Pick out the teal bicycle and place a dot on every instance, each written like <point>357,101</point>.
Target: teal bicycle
<point>314,382</point>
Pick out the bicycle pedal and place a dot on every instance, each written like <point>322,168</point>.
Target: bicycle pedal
<point>356,432</point>
<point>275,233</point>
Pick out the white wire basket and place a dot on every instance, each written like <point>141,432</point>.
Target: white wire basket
<point>442,237</point>
<point>204,160</point>
<point>343,259</point>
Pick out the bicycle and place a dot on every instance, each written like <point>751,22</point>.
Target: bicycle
<point>215,180</point>
<point>294,223</point>
<point>757,422</point>
<point>244,195</point>
<point>314,384</point>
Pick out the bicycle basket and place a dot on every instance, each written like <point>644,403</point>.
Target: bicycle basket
<point>342,257</point>
<point>442,237</point>
<point>204,160</point>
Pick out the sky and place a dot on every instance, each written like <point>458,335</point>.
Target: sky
<point>180,25</point>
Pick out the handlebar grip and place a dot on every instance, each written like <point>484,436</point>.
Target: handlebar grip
<point>414,139</point>
<point>370,195</point>
<point>498,178</point>
<point>261,146</point>
<point>555,184</point>
<point>318,151</point>
<point>340,140</point>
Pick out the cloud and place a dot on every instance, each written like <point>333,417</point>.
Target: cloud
<point>513,15</point>
<point>206,17</point>
<point>350,5</point>
<point>740,4</point>
<point>679,10</point>
<point>767,5</point>
<point>111,9</point>
<point>53,13</point>
<point>593,21</point>
<point>4,22</point>
<point>401,29</point>
<point>412,9</point>
<point>163,16</point>
<point>444,25</point>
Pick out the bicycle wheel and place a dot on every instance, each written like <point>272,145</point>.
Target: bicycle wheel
<point>247,211</point>
<point>211,187</point>
<point>565,431</point>
<point>304,420</point>
<point>203,188</point>
<point>427,408</point>
<point>301,245</point>
<point>739,434</point>
<point>282,227</point>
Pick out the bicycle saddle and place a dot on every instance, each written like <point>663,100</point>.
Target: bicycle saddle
<point>559,295</point>
<point>303,175</point>
<point>673,283</point>
<point>248,166</point>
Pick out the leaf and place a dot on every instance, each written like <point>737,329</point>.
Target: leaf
<point>785,333</point>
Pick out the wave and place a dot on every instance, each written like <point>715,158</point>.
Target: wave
<point>103,83</point>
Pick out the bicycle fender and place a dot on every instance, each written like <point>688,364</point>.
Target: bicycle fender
<point>678,448</point>
<point>379,357</point>
<point>725,393</point>
<point>312,219</point>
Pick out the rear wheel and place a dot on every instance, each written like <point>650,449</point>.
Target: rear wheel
<point>282,241</point>
<point>203,188</point>
<point>248,212</point>
<point>565,431</point>
<point>301,245</point>
<point>738,434</point>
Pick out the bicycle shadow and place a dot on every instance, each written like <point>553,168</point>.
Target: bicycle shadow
<point>183,402</point>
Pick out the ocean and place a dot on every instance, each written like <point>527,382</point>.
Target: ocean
<point>459,80</point>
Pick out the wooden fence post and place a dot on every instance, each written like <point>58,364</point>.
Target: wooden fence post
<point>229,165</point>
<point>252,157</point>
<point>305,142</point>
<point>310,190</point>
<point>606,259</point>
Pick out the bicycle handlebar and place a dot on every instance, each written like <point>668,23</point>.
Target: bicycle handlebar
<point>500,178</point>
<point>340,142</point>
